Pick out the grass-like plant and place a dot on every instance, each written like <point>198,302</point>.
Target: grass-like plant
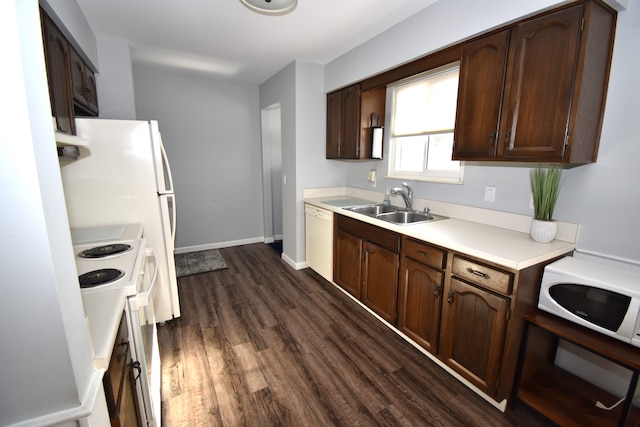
<point>545,187</point>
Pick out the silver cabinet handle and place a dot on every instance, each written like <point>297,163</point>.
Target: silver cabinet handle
<point>478,273</point>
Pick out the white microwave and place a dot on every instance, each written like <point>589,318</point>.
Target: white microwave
<point>597,296</point>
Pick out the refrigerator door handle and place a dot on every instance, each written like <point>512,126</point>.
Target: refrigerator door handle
<point>165,161</point>
<point>173,217</point>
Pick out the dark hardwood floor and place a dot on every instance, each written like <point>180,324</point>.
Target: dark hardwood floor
<point>260,344</point>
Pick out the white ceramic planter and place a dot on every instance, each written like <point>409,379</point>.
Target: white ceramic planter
<point>543,231</point>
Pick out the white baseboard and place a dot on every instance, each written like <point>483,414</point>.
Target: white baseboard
<point>292,263</point>
<point>218,245</point>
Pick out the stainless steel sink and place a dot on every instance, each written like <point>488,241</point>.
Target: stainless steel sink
<point>395,215</point>
<point>409,217</point>
<point>373,210</point>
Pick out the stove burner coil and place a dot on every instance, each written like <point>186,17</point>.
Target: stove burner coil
<point>99,277</point>
<point>104,251</point>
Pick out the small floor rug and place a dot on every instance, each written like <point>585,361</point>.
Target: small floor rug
<point>199,262</point>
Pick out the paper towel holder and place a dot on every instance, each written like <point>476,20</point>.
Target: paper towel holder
<point>376,137</point>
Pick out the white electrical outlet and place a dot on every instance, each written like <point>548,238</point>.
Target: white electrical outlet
<point>490,194</point>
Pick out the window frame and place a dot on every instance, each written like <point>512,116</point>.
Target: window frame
<point>427,175</point>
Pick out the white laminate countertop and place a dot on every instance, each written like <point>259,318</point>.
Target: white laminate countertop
<point>511,249</point>
<point>104,311</point>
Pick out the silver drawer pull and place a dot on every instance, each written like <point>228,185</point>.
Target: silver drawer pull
<point>478,273</point>
<point>423,253</point>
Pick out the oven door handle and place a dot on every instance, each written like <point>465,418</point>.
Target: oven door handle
<point>142,298</point>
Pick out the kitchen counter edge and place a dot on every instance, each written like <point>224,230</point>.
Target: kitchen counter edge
<point>104,310</point>
<point>510,249</point>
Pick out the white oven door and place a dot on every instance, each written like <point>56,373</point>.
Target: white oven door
<point>146,340</point>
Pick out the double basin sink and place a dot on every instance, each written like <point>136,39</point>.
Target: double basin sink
<point>395,215</point>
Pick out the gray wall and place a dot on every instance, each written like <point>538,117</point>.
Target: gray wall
<point>281,89</point>
<point>299,90</point>
<point>602,197</point>
<point>46,362</point>
<point>211,131</point>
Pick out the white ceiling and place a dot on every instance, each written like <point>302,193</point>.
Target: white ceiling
<point>225,38</point>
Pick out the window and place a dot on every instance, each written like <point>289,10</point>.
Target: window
<point>422,121</point>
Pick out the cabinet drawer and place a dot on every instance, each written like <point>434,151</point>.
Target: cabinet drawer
<point>425,253</point>
<point>371,233</point>
<point>488,277</point>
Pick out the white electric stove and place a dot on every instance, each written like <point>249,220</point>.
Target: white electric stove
<point>116,257</point>
<point>109,257</point>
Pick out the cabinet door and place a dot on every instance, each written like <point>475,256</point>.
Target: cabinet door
<point>419,303</point>
<point>92,91</point>
<point>119,382</point>
<point>380,281</point>
<point>334,124</point>
<point>540,83</point>
<point>57,58</point>
<point>346,268</point>
<point>78,78</point>
<point>472,333</point>
<point>480,92</point>
<point>84,86</point>
<point>350,141</point>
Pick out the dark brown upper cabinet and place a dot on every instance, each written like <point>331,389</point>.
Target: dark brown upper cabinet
<point>349,124</point>
<point>72,84</point>
<point>57,58</point>
<point>535,91</point>
<point>85,97</point>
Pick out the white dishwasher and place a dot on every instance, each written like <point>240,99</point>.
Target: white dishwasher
<point>319,240</point>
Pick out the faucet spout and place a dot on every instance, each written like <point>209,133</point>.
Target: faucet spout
<point>407,194</point>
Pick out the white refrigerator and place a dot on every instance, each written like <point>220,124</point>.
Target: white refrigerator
<point>125,179</point>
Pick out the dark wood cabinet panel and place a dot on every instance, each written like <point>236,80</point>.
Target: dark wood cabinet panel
<point>482,275</point>
<point>343,120</point>
<point>346,268</point>
<point>119,382</point>
<point>540,85</point>
<point>380,281</point>
<point>424,253</point>
<point>350,141</point>
<point>366,263</point>
<point>419,303</point>
<point>545,102</point>
<point>334,124</point>
<point>57,58</point>
<point>472,334</point>
<point>72,84</point>
<point>482,71</point>
<point>349,121</point>
<point>84,86</point>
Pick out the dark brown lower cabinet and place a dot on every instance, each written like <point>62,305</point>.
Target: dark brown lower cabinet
<point>474,323</point>
<point>420,296</point>
<point>346,270</point>
<point>467,312</point>
<point>119,382</point>
<point>419,303</point>
<point>380,280</point>
<point>366,262</point>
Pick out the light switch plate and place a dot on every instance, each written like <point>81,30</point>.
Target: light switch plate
<point>490,194</point>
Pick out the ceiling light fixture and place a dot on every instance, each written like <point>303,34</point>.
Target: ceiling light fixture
<point>271,7</point>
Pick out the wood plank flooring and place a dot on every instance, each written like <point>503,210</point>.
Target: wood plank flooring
<point>260,344</point>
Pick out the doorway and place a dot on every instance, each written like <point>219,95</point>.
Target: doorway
<point>272,174</point>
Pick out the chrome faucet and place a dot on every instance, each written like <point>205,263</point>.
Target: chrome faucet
<point>407,194</point>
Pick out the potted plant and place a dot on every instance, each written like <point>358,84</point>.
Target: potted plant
<point>545,187</point>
